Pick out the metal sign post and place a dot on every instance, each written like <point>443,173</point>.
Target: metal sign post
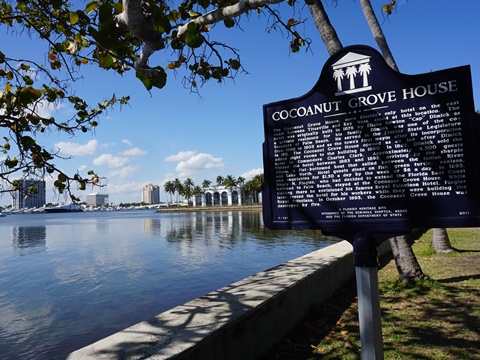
<point>366,270</point>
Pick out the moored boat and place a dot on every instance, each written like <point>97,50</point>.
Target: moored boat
<point>63,208</point>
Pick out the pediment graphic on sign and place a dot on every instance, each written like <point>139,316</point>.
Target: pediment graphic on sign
<point>347,69</point>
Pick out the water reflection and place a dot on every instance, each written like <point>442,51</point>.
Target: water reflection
<point>152,227</point>
<point>226,227</point>
<point>102,272</point>
<point>28,240</point>
<point>230,228</point>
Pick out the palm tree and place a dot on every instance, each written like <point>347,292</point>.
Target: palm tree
<point>220,180</point>
<point>258,183</point>
<point>377,33</point>
<point>229,182</point>
<point>197,190</point>
<point>254,186</point>
<point>187,189</point>
<point>206,184</point>
<point>240,181</point>
<point>409,269</point>
<point>440,241</point>
<point>178,187</point>
<point>169,188</point>
<point>249,189</point>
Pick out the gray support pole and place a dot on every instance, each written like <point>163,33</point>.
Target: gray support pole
<point>366,265</point>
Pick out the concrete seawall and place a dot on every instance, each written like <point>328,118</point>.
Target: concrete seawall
<point>241,321</point>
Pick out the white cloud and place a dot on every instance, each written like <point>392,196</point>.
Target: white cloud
<point>110,161</point>
<point>82,167</point>
<point>191,163</point>
<point>126,171</point>
<point>181,156</point>
<point>46,109</point>
<point>122,188</point>
<point>76,149</point>
<point>250,174</point>
<point>133,152</point>
<point>127,142</point>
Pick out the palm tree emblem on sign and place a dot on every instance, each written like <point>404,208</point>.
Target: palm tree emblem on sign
<point>350,66</point>
<point>338,75</point>
<point>351,72</point>
<point>364,70</point>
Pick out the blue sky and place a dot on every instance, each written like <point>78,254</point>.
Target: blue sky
<point>171,133</point>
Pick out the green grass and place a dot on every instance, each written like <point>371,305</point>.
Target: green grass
<point>436,318</point>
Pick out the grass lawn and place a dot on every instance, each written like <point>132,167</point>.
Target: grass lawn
<point>437,318</point>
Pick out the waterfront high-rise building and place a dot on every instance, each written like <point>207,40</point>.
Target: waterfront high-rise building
<point>151,194</point>
<point>25,199</point>
<point>96,199</point>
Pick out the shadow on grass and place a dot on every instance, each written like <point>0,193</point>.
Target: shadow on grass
<point>457,279</point>
<point>440,322</point>
<point>318,325</point>
<point>465,251</point>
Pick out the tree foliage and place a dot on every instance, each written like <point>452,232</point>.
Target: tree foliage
<point>27,87</point>
<point>116,36</point>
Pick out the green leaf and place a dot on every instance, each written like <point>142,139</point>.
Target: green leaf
<point>91,6</point>
<point>174,15</point>
<point>145,80</point>
<point>193,14</point>
<point>62,178</point>
<point>28,95</point>
<point>159,80</point>
<point>27,142</point>
<point>32,92</point>
<point>105,12</point>
<point>73,17</point>
<point>194,40</point>
<point>176,44</point>
<point>204,3</point>
<point>299,41</point>
<point>117,8</point>
<point>105,60</point>
<point>229,23</point>
<point>235,64</point>
<point>11,163</point>
<point>162,24</point>
<point>192,28</point>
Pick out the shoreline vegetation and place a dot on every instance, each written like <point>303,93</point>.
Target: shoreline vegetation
<point>216,208</point>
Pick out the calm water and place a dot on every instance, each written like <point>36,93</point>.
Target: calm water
<point>67,280</point>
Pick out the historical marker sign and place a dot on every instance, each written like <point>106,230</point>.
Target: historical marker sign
<point>371,149</point>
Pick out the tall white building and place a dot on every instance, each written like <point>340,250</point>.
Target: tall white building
<point>151,194</point>
<point>96,199</point>
<point>23,199</point>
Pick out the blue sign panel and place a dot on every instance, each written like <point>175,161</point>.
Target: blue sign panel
<point>371,149</point>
